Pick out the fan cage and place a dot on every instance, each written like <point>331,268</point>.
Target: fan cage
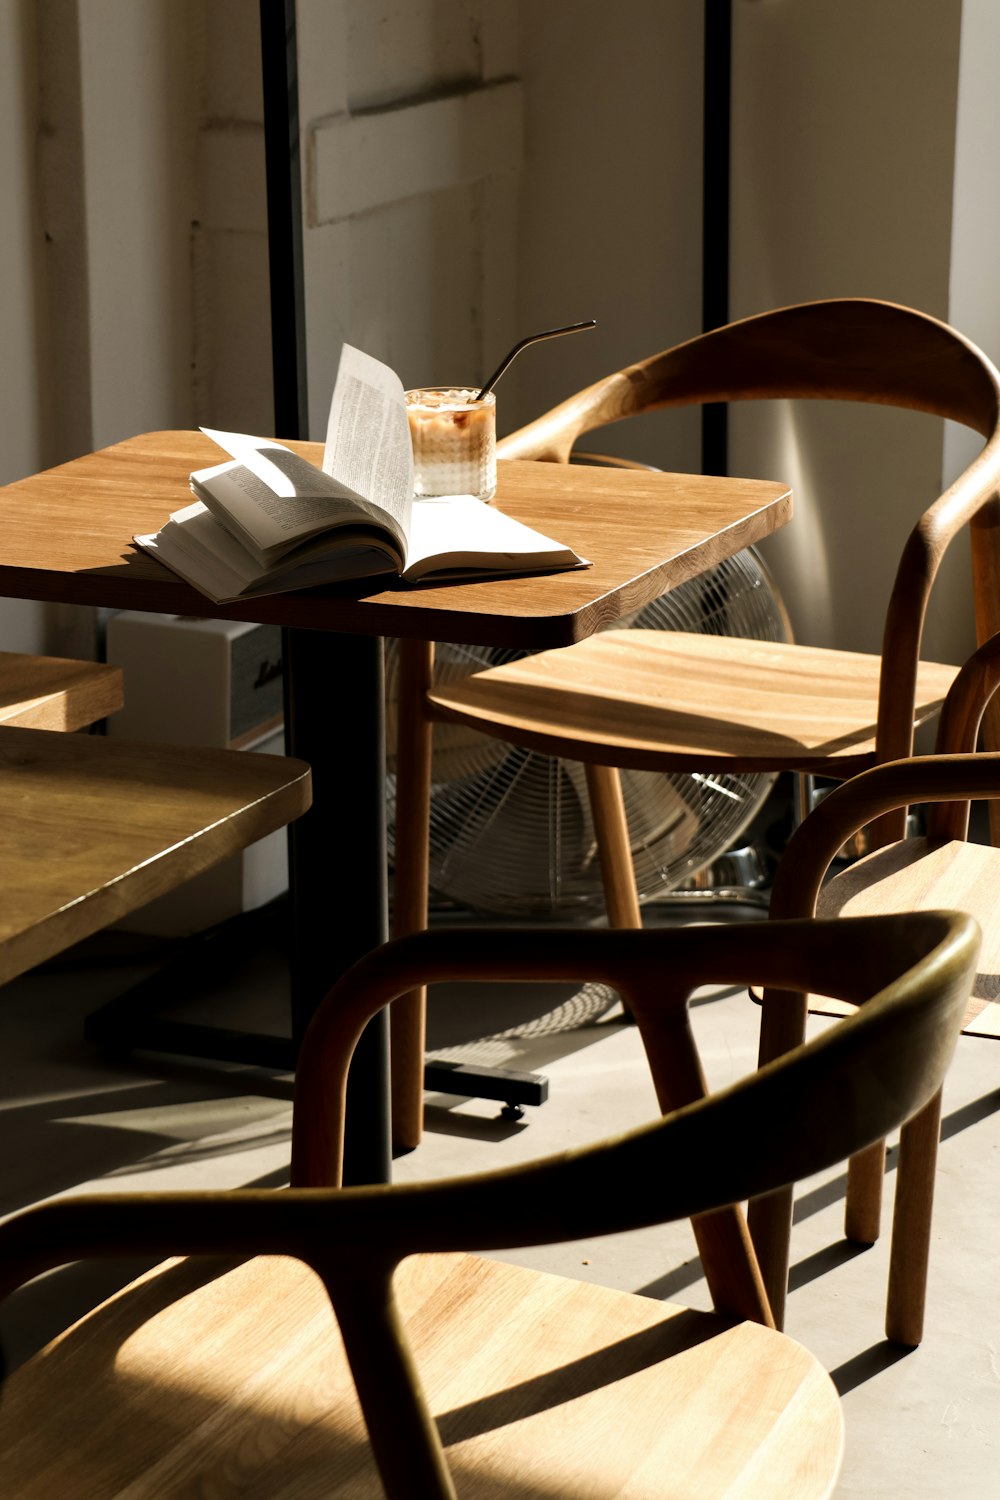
<point>510,828</point>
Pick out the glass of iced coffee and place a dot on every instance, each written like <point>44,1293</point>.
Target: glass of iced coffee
<point>454,439</point>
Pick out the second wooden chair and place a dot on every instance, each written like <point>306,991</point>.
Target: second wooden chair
<point>940,867</point>
<point>671,701</point>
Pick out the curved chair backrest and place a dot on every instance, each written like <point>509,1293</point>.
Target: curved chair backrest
<point>842,349</point>
<point>910,975</point>
<point>956,774</point>
<point>968,698</point>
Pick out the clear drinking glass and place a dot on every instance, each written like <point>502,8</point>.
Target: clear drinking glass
<point>454,441</point>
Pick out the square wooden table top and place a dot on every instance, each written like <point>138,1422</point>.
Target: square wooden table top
<point>66,536</point>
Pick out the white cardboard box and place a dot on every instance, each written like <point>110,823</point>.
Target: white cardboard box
<point>203,682</point>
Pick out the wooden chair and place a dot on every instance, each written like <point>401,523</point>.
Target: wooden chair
<point>231,1379</point>
<point>938,868</point>
<point>664,700</point>
<point>49,692</point>
<point>92,828</point>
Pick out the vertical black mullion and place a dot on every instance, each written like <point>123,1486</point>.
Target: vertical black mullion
<point>337,865</point>
<point>284,217</point>
<point>715,210</point>
<point>282,162</point>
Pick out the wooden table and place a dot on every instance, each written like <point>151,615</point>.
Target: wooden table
<point>65,536</point>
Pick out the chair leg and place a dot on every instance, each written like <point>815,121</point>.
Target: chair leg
<point>782,1027</point>
<point>727,1252</point>
<point>769,1219</point>
<point>614,849</point>
<point>805,796</point>
<point>990,740</point>
<point>911,1225</point>
<point>407,1017</point>
<point>863,1211</point>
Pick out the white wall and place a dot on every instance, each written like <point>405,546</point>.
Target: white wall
<point>134,255</point>
<point>412,126</point>
<point>138,130</point>
<point>844,137</point>
<point>20,242</point>
<point>113,320</point>
<point>231,293</point>
<point>585,121</point>
<point>22,408</point>
<point>974,285</point>
<point>611,205</point>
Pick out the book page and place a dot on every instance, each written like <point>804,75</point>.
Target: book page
<point>458,533</point>
<point>272,499</point>
<point>196,547</point>
<point>368,445</point>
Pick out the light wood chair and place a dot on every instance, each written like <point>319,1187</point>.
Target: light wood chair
<point>231,1378</point>
<point>671,701</point>
<point>92,828</point>
<point>938,868</point>
<point>50,692</point>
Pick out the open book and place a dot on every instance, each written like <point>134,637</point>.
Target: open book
<point>268,520</point>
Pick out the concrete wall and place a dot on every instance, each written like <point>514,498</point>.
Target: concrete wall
<point>231,323</point>
<point>611,204</point>
<point>22,410</point>
<point>95,245</point>
<point>844,120</point>
<point>412,116</point>
<point>475,171</point>
<point>121,225</point>
<point>973,286</point>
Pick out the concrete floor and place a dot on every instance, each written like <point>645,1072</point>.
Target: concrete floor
<point>921,1423</point>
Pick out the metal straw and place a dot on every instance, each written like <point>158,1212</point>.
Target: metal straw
<point>532,338</point>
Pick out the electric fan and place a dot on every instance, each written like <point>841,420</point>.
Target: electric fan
<point>511,832</point>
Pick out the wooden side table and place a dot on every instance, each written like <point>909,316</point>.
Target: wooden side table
<point>65,536</point>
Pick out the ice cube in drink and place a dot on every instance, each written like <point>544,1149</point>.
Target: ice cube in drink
<point>454,441</point>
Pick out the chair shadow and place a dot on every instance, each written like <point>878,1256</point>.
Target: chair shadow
<point>604,1367</point>
<point>53,1146</point>
<point>286,1457</point>
<point>865,1365</point>
<point>821,1261</point>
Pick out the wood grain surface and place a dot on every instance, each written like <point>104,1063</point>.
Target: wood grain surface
<point>66,535</point>
<point>242,1387</point>
<point>667,701</point>
<point>93,828</point>
<point>49,692</point>
<point>914,876</point>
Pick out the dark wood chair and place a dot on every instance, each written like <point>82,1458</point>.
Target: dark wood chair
<point>671,701</point>
<point>938,868</point>
<point>473,1376</point>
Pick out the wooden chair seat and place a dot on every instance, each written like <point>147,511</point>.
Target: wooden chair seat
<point>92,828</point>
<point>49,692</point>
<point>915,876</point>
<point>476,1377</point>
<point>672,701</point>
<point>242,1385</point>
